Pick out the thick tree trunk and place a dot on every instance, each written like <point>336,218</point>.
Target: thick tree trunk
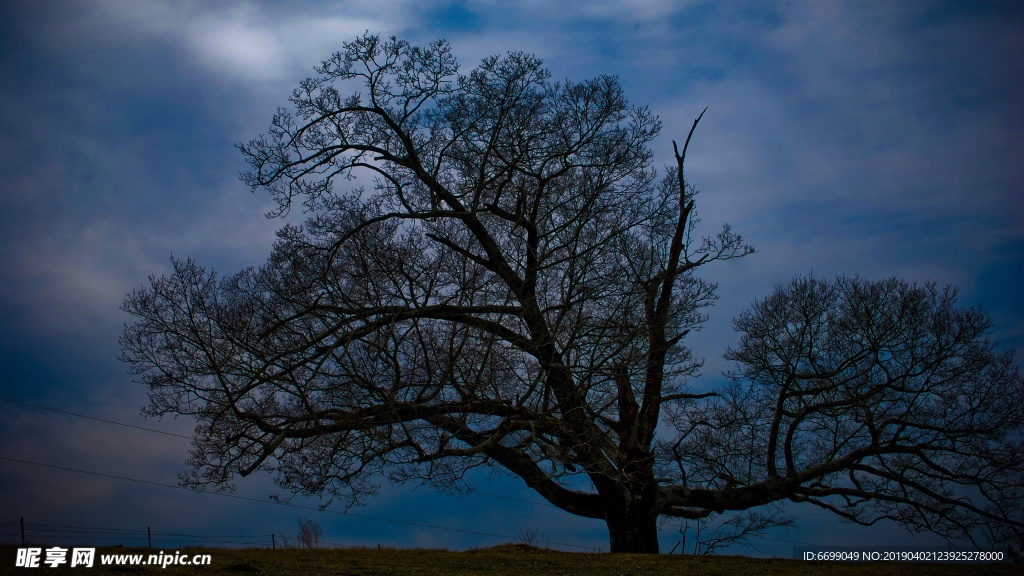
<point>633,528</point>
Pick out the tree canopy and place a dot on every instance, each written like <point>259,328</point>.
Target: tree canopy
<point>514,290</point>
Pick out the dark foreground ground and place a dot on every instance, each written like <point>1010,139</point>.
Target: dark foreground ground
<point>510,560</point>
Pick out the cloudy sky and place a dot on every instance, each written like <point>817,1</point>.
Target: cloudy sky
<point>858,138</point>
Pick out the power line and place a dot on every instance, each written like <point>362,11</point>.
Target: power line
<point>189,438</point>
<point>83,530</point>
<point>94,418</point>
<point>297,506</point>
<point>489,495</point>
<point>62,532</point>
<point>57,532</point>
<point>198,536</point>
<point>91,538</point>
<point>83,527</point>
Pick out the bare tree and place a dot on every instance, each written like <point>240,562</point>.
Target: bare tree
<point>309,534</point>
<point>513,293</point>
<point>528,537</point>
<point>874,400</point>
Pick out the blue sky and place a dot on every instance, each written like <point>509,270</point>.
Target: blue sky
<point>859,138</point>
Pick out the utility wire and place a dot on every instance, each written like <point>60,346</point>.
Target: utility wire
<point>189,438</point>
<point>198,536</point>
<point>534,502</point>
<point>81,527</point>
<point>116,533</point>
<point>107,533</point>
<point>94,418</point>
<point>298,506</point>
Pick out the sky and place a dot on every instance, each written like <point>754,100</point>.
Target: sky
<point>872,138</point>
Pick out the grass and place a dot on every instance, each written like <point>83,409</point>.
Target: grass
<point>510,560</point>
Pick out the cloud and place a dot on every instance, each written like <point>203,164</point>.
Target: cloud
<point>71,280</point>
<point>240,41</point>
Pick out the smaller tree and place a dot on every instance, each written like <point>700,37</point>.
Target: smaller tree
<point>873,400</point>
<point>308,534</point>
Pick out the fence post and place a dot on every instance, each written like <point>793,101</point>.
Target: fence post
<point>273,542</point>
<point>149,536</point>
<point>22,530</point>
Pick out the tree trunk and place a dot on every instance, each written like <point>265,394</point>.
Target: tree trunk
<point>632,528</point>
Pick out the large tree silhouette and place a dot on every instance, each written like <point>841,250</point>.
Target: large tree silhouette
<point>514,291</point>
